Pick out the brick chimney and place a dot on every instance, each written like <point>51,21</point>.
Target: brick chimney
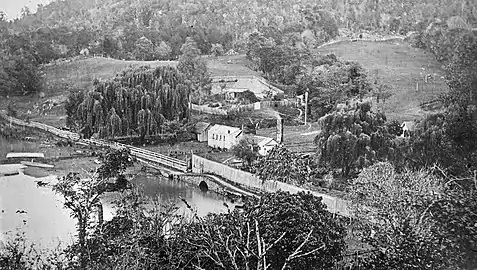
<point>279,130</point>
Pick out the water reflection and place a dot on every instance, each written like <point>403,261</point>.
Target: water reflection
<point>46,222</point>
<point>38,212</point>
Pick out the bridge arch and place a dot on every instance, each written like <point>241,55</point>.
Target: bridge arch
<point>203,186</point>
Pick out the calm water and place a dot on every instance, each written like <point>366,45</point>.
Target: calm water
<point>47,223</point>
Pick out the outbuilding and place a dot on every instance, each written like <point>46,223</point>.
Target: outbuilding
<point>265,144</point>
<point>201,130</point>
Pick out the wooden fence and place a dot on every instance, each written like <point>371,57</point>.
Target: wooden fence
<point>245,107</point>
<point>207,109</point>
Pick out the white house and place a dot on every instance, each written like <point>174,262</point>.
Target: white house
<point>223,137</point>
<point>265,144</point>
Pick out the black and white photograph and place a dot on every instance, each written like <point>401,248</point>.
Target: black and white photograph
<point>238,134</point>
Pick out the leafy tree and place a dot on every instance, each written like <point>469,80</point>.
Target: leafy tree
<point>19,73</point>
<point>448,138</point>
<point>277,231</point>
<point>320,21</point>
<point>217,49</point>
<point>282,165</point>
<point>75,98</point>
<point>82,195</point>
<point>408,219</point>
<point>163,51</point>
<point>331,82</point>
<point>144,49</point>
<point>352,138</point>
<point>247,150</point>
<point>194,68</point>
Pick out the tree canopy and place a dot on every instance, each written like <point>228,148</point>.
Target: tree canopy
<point>138,101</point>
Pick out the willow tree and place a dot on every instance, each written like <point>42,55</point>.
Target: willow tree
<point>114,123</point>
<point>353,137</point>
<point>137,101</point>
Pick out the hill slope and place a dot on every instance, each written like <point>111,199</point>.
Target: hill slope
<point>79,74</point>
<point>401,67</point>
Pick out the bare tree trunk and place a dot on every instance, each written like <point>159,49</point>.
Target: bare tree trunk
<point>100,215</point>
<point>82,240</point>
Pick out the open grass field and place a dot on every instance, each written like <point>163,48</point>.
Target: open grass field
<point>295,138</point>
<point>80,73</point>
<point>400,66</point>
<point>233,65</point>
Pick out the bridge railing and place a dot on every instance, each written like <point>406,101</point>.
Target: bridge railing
<point>175,163</point>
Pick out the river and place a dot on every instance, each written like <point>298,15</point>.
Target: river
<point>39,213</point>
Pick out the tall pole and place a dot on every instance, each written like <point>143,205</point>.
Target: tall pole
<point>306,105</point>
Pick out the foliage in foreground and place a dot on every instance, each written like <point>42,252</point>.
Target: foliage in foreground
<point>277,231</point>
<point>415,220</point>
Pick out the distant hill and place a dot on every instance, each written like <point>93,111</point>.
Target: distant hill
<point>113,27</point>
<point>399,66</point>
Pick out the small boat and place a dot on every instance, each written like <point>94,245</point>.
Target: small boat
<point>25,155</point>
<point>37,164</point>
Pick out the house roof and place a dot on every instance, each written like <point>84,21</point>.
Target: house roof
<point>201,127</point>
<point>236,90</point>
<point>224,130</point>
<point>257,85</point>
<point>262,141</point>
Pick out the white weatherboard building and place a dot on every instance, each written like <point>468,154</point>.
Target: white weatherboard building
<point>223,137</point>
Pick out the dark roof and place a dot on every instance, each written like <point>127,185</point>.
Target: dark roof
<point>201,127</point>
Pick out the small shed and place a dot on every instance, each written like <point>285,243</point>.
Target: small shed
<point>223,137</point>
<point>201,129</point>
<point>234,93</point>
<point>265,144</point>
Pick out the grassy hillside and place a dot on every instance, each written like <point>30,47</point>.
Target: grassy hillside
<point>399,66</point>
<point>80,73</point>
<point>69,74</point>
<point>234,65</point>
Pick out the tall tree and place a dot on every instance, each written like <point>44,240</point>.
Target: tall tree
<point>352,138</point>
<point>194,69</point>
<point>144,49</point>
